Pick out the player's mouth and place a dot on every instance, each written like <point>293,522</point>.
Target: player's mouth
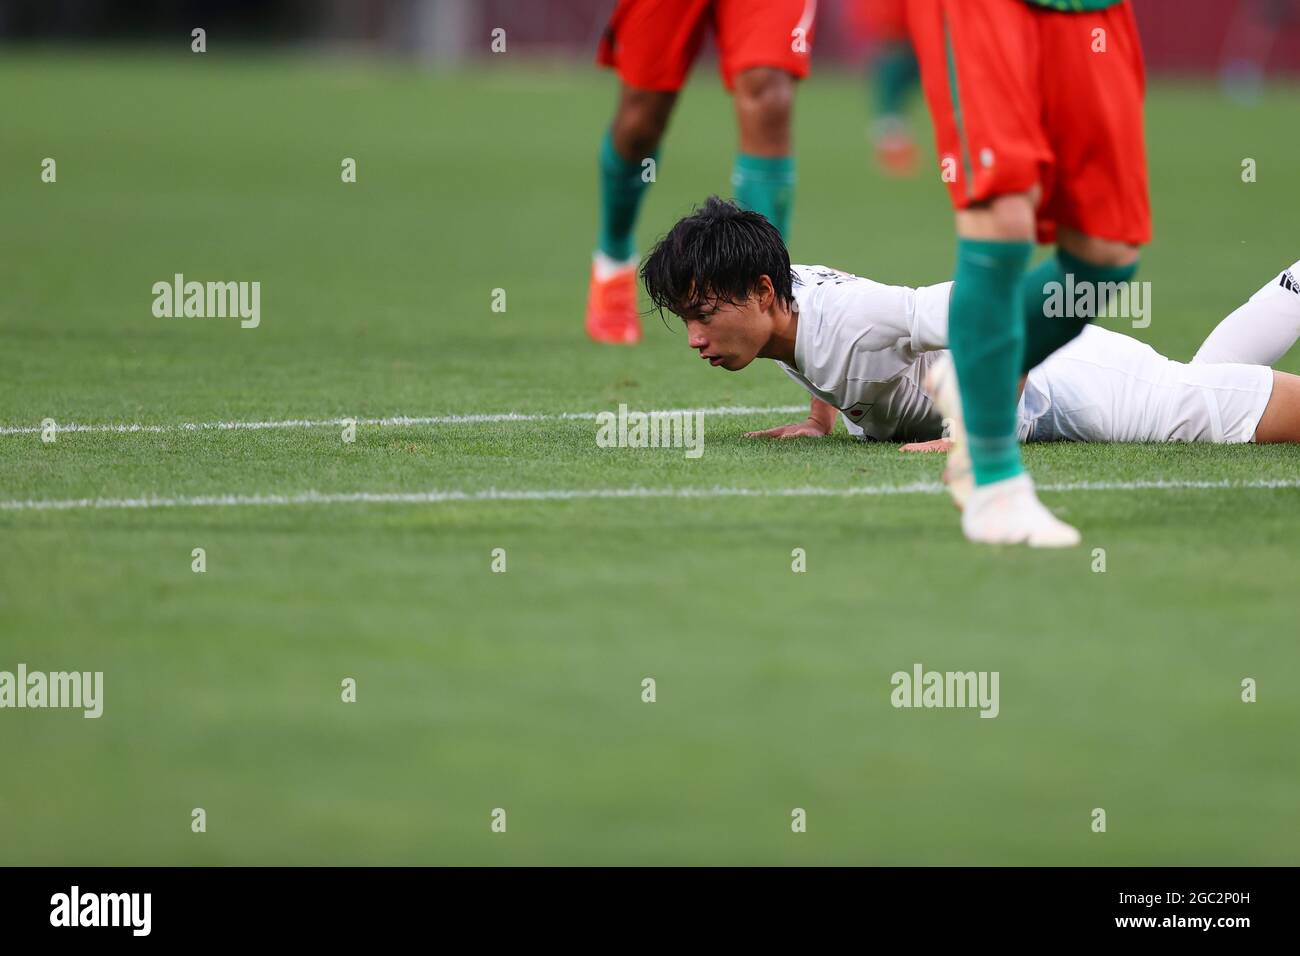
<point>713,359</point>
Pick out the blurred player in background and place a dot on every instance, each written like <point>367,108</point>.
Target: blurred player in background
<point>763,47</point>
<point>892,74</point>
<point>1037,110</point>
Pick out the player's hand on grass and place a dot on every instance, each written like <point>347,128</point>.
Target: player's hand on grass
<point>808,428</point>
<point>938,444</point>
<point>819,423</point>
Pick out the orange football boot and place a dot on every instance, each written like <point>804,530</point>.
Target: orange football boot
<point>611,308</point>
<point>896,151</point>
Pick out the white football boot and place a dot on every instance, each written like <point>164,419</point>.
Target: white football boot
<point>1009,512</point>
<point>941,386</point>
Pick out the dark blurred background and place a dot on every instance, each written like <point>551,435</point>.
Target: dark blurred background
<point>1242,41</point>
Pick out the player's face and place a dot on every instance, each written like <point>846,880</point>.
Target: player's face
<point>729,334</point>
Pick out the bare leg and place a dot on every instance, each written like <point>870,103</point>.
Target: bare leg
<point>1281,419</point>
<point>1008,218</point>
<point>640,121</point>
<point>764,98</point>
<point>1100,252</point>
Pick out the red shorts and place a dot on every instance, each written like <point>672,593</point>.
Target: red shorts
<point>880,19</point>
<point>652,43</point>
<point>1023,96</point>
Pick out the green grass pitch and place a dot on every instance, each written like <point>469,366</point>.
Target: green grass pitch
<point>522,690</point>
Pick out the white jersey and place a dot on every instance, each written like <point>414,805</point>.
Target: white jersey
<point>864,348</point>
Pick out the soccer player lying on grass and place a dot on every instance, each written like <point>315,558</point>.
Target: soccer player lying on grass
<point>865,348</point>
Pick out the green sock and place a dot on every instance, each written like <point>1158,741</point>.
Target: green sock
<point>986,332</point>
<point>1050,321</point>
<point>894,73</point>
<point>621,189</point>
<point>765,184</point>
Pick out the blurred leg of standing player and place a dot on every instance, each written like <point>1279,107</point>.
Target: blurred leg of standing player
<point>763,48</point>
<point>1094,206</point>
<point>892,74</point>
<point>1038,123</point>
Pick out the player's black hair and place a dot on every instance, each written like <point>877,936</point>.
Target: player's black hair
<point>716,254</point>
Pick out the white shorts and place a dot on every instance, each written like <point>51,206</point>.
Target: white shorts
<point>1104,386</point>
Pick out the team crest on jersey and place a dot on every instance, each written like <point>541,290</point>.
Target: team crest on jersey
<point>855,412</point>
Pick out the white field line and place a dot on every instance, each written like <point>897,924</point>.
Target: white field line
<point>394,421</point>
<point>576,494</point>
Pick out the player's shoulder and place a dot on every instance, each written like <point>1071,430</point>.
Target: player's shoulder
<point>811,277</point>
<point>835,285</point>
<point>821,289</point>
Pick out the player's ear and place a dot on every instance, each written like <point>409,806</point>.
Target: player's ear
<point>766,292</point>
